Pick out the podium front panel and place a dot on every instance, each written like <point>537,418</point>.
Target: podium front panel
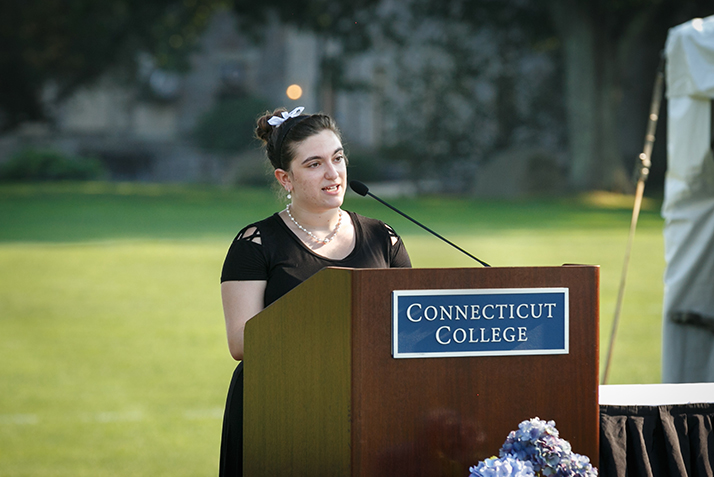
<point>431,416</point>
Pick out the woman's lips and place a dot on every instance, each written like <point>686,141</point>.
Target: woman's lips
<point>332,188</point>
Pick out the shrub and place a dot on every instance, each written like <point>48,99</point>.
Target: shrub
<point>49,165</point>
<point>229,125</point>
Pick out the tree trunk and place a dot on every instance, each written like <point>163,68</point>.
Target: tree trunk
<point>591,96</point>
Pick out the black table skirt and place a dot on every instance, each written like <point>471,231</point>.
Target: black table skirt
<point>657,441</point>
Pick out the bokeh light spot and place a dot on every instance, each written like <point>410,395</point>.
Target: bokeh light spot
<point>294,91</point>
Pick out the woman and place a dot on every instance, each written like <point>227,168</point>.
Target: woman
<point>269,258</point>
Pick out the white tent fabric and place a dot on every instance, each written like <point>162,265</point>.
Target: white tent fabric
<point>688,209</point>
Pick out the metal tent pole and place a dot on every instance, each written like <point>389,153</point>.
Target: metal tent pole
<point>644,169</point>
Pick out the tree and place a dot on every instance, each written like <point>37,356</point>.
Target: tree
<point>435,60</point>
<point>457,95</point>
<point>439,123</point>
<point>599,39</point>
<point>52,47</point>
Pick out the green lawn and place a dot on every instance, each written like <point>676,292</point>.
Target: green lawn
<point>114,359</point>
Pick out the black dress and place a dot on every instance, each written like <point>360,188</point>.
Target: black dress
<point>273,253</point>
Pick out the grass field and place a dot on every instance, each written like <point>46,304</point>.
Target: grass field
<point>114,359</point>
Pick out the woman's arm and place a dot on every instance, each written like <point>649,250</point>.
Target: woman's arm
<point>242,300</point>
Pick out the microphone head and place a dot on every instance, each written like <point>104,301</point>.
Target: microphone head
<point>359,188</point>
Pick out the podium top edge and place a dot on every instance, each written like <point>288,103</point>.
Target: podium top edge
<point>538,267</point>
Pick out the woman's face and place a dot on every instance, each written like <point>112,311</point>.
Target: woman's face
<point>318,173</point>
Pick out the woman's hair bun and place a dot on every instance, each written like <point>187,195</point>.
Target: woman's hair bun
<point>263,130</point>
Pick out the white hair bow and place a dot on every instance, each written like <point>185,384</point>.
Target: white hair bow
<point>277,120</point>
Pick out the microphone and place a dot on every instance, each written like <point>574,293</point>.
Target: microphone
<point>363,190</point>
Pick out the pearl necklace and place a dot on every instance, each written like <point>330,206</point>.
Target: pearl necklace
<point>324,241</point>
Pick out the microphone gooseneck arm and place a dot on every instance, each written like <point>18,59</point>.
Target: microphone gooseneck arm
<point>363,190</point>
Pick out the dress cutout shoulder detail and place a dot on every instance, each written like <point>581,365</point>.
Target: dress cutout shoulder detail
<point>392,234</point>
<point>250,234</point>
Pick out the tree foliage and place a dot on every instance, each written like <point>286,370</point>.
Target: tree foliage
<point>458,92</point>
<point>350,21</point>
<point>51,47</point>
<point>598,43</point>
<point>441,110</point>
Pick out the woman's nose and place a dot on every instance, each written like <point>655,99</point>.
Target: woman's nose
<point>331,171</point>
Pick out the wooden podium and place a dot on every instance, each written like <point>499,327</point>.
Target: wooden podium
<point>325,397</point>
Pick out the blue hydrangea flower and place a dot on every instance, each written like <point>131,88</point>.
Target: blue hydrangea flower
<point>502,467</point>
<point>575,465</point>
<point>538,443</point>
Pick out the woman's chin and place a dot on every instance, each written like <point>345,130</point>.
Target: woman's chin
<point>334,201</point>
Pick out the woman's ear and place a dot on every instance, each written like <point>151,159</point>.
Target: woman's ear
<point>284,179</point>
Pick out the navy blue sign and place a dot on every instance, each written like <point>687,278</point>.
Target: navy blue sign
<point>479,322</point>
